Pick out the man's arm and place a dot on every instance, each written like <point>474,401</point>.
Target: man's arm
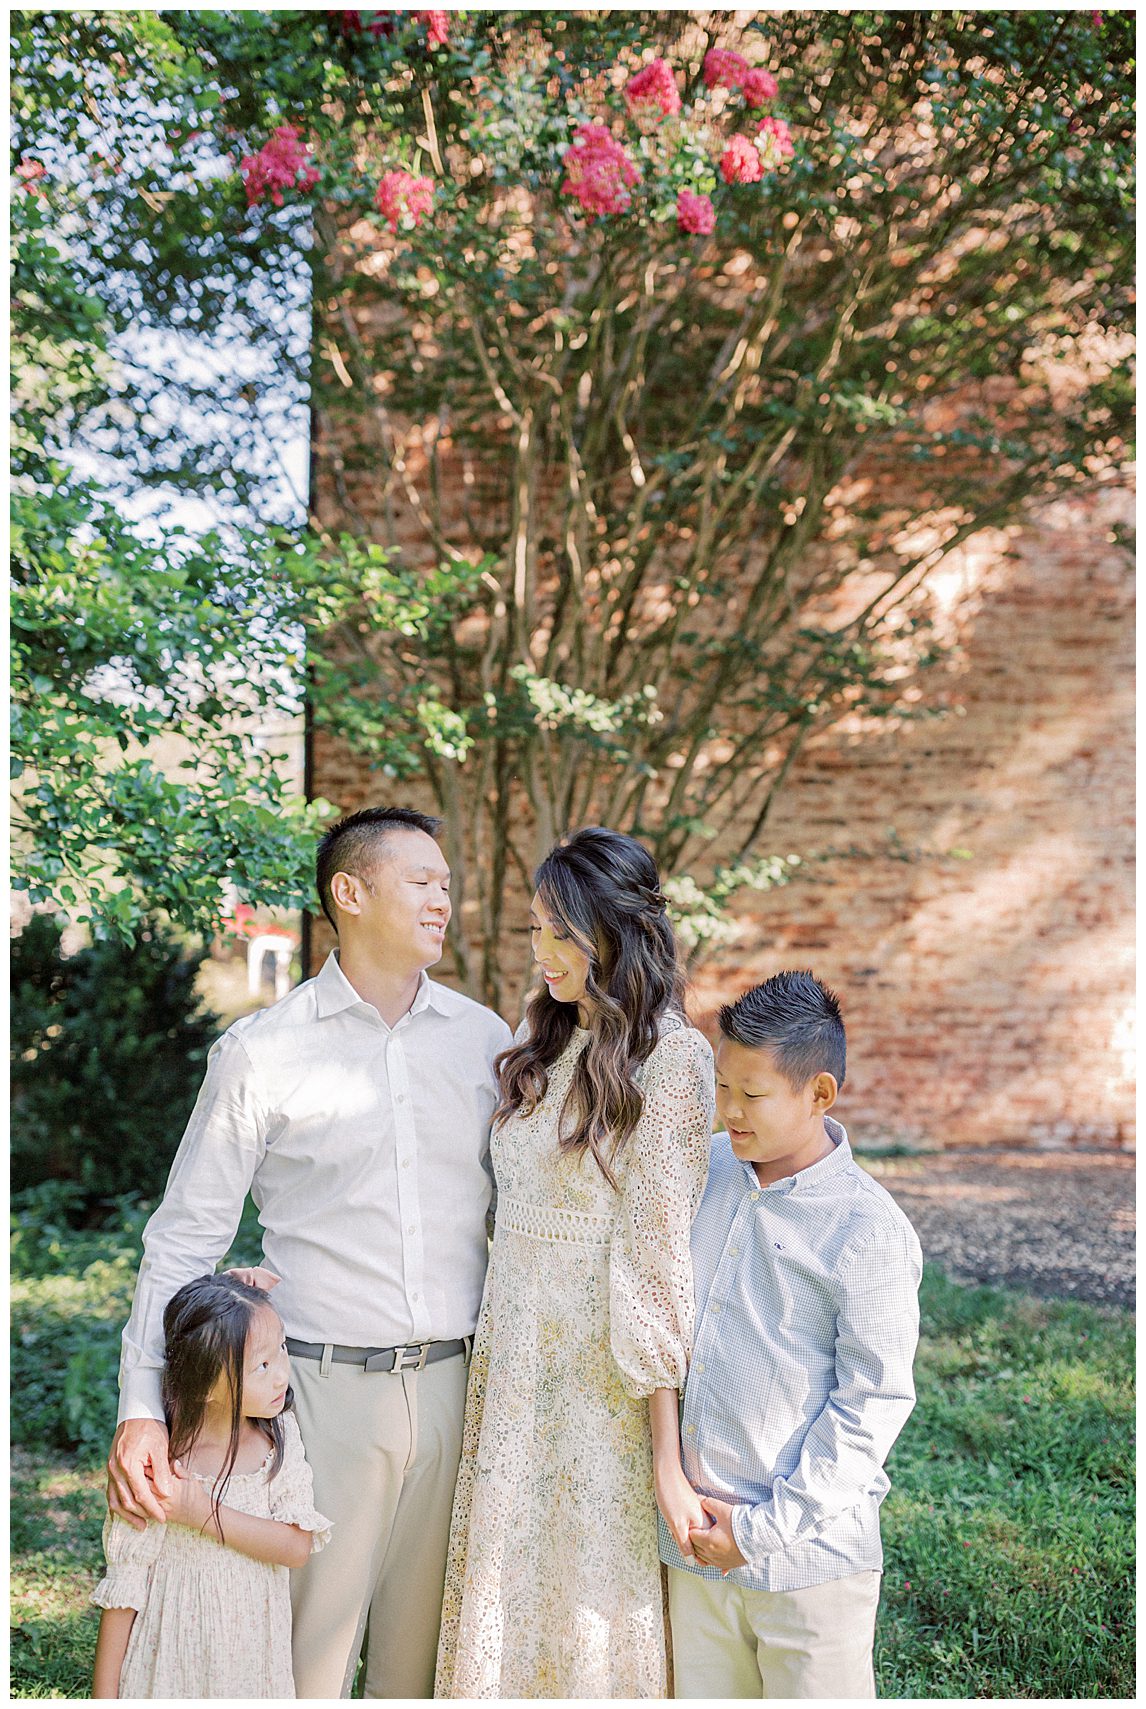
<point>223,1144</point>
<point>876,1334</point>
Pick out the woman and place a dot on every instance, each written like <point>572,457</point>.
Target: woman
<point>600,1151</point>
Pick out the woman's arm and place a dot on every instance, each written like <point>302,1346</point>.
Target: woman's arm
<point>111,1646</point>
<point>676,1498</point>
<point>271,1540</point>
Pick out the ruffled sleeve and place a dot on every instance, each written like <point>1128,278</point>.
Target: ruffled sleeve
<point>130,1556</point>
<point>661,1176</point>
<point>292,1489</point>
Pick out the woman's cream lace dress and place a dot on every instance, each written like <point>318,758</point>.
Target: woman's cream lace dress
<point>553,1585</point>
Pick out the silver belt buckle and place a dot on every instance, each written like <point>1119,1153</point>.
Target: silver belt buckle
<point>411,1358</point>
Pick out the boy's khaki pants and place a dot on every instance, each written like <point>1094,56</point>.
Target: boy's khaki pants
<point>384,1449</point>
<point>729,1642</point>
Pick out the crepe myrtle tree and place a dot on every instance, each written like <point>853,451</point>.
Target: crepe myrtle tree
<point>656,361</point>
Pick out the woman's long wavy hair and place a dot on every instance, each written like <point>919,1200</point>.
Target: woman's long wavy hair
<point>603,890</point>
<point>205,1329</point>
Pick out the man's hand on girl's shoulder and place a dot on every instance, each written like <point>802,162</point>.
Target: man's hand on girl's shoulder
<point>255,1276</point>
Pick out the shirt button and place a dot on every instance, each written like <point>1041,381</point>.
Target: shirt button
<point>401,1098</point>
<point>413,1228</point>
<point>754,1197</point>
<point>690,1429</point>
<point>698,1367</point>
<point>734,1251</point>
<point>415,1296</point>
<point>715,1307</point>
<point>405,1162</point>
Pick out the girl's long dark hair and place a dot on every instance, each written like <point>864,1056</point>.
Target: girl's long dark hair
<point>205,1328</point>
<point>602,889</point>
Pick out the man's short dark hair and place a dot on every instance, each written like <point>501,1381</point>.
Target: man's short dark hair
<point>795,1018</point>
<point>354,845</point>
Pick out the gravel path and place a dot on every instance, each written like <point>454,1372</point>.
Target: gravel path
<point>1054,1223</point>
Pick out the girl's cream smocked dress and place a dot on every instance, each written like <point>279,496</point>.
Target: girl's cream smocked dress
<point>553,1585</point>
<point>212,1622</point>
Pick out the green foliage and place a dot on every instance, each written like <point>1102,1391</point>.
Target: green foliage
<point>1009,1530</point>
<point>626,467</point>
<point>699,915</point>
<point>119,647</point>
<point>108,1049</point>
<point>71,1296</point>
<point>141,666</point>
<point>56,1517</point>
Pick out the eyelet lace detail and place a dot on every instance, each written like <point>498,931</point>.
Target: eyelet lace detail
<point>551,1222</point>
<point>553,1587</point>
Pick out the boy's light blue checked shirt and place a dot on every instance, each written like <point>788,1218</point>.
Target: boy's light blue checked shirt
<point>807,1318</point>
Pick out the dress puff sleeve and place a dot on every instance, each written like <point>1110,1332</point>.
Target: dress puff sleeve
<point>292,1489</point>
<point>661,1176</point>
<point>130,1556</point>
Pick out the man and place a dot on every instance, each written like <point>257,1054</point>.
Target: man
<point>357,1112</point>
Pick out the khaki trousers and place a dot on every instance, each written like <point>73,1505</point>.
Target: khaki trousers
<point>384,1449</point>
<point>729,1642</point>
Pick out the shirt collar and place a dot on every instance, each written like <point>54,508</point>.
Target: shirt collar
<point>837,1159</point>
<point>334,992</point>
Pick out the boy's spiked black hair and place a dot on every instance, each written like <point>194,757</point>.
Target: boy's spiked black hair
<point>797,1019</point>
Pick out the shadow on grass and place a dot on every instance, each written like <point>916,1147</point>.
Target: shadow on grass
<point>56,1519</point>
<point>1009,1530</point>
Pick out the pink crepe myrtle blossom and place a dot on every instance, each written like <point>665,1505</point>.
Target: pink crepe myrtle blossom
<point>354,23</point>
<point>598,172</point>
<point>724,69</point>
<point>281,164</point>
<point>402,196</point>
<point>653,93</point>
<point>758,87</point>
<point>28,174</point>
<point>437,27</point>
<point>694,213</point>
<point>774,142</point>
<point>740,163</point>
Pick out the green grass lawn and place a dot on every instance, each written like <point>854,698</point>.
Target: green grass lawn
<point>1009,1530</point>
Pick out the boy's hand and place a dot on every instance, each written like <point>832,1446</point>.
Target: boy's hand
<point>713,1544</point>
<point>680,1505</point>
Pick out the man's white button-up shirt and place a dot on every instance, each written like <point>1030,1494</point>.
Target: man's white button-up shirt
<point>365,1148</point>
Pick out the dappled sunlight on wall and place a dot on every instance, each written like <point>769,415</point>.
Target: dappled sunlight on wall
<point>968,880</point>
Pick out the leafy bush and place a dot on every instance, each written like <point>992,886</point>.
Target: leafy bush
<point>108,1049</point>
<point>71,1295</point>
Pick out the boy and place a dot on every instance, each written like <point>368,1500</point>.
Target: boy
<point>807,1319</point>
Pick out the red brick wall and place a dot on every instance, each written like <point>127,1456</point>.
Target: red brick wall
<point>987,992</point>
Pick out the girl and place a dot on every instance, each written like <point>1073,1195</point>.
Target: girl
<point>199,1607</point>
<point>600,1150</point>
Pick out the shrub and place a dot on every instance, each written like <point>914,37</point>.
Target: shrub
<point>108,1049</point>
<point>71,1294</point>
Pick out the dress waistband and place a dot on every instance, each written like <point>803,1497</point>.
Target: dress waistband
<point>548,1222</point>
